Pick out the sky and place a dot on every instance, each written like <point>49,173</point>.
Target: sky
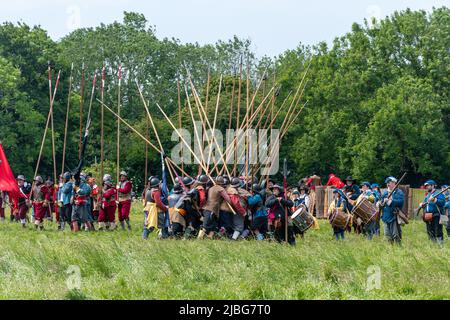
<point>273,26</point>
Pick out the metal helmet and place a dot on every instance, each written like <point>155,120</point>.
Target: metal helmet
<point>220,180</point>
<point>187,181</point>
<point>67,176</point>
<point>107,177</point>
<point>236,182</point>
<point>108,183</point>
<point>177,188</point>
<point>123,173</point>
<point>154,182</point>
<point>227,180</point>
<point>150,178</point>
<point>203,179</point>
<point>39,179</point>
<point>256,188</point>
<point>21,177</point>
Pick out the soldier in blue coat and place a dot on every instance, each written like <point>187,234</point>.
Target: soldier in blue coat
<point>390,207</point>
<point>65,198</point>
<point>434,204</point>
<point>447,208</point>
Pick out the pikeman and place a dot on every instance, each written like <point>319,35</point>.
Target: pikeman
<point>52,199</point>
<point>377,193</point>
<point>176,211</point>
<point>107,212</point>
<point>352,192</point>
<point>65,199</point>
<point>196,199</point>
<point>124,189</point>
<point>80,212</point>
<point>216,196</point>
<point>22,203</point>
<point>93,199</point>
<point>256,202</point>
<point>390,202</point>
<point>238,197</point>
<point>41,197</point>
<point>154,207</point>
<point>338,203</point>
<point>226,215</point>
<point>277,204</point>
<point>370,229</point>
<point>433,207</point>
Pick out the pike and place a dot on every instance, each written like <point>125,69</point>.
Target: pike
<point>81,109</point>
<point>51,121</point>
<point>67,120</point>
<point>179,115</point>
<point>192,152</point>
<point>141,136</point>
<point>94,82</point>
<point>102,120</point>
<point>152,123</point>
<point>52,100</point>
<point>118,124</point>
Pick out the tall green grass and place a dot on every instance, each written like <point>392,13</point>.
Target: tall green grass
<point>120,265</point>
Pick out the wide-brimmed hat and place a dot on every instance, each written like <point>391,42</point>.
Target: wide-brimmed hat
<point>350,178</point>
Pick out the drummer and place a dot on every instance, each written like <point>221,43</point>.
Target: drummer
<point>369,194</point>
<point>340,203</point>
<point>300,196</point>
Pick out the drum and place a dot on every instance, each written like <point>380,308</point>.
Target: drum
<point>302,219</point>
<point>340,219</point>
<point>365,210</point>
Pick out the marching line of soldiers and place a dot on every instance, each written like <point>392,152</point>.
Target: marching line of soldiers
<point>76,203</point>
<point>228,207</point>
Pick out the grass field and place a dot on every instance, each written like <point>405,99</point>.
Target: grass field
<point>120,265</point>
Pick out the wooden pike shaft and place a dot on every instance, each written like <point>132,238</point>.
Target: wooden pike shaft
<point>102,124</point>
<point>67,121</point>
<point>45,131</point>
<point>202,110</point>
<point>53,137</point>
<point>180,125</point>
<point>215,120</point>
<point>140,135</point>
<point>189,148</point>
<point>81,110</point>
<point>118,125</point>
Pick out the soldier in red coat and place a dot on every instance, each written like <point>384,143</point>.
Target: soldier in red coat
<point>124,200</point>
<point>21,204</point>
<point>41,198</point>
<point>335,181</point>
<point>106,217</point>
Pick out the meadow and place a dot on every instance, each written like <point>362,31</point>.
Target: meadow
<point>120,265</point>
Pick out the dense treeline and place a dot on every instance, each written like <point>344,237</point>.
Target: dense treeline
<point>378,99</point>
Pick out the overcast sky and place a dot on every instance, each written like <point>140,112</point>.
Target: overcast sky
<point>272,25</point>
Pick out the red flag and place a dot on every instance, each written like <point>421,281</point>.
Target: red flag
<point>8,182</point>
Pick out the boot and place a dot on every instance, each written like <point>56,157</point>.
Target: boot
<point>101,226</point>
<point>23,222</point>
<point>89,226</point>
<point>259,237</point>
<point>145,233</point>
<point>235,235</point>
<point>201,234</point>
<point>128,224</point>
<point>122,225</point>
<point>112,226</point>
<point>62,225</point>
<point>75,227</point>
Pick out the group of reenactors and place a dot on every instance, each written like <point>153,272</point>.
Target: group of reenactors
<point>224,207</point>
<point>76,203</point>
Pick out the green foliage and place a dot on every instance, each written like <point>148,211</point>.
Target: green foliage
<point>378,100</point>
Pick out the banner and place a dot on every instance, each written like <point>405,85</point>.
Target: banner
<point>8,182</point>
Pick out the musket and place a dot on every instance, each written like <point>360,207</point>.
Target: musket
<point>423,205</point>
<point>390,194</point>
